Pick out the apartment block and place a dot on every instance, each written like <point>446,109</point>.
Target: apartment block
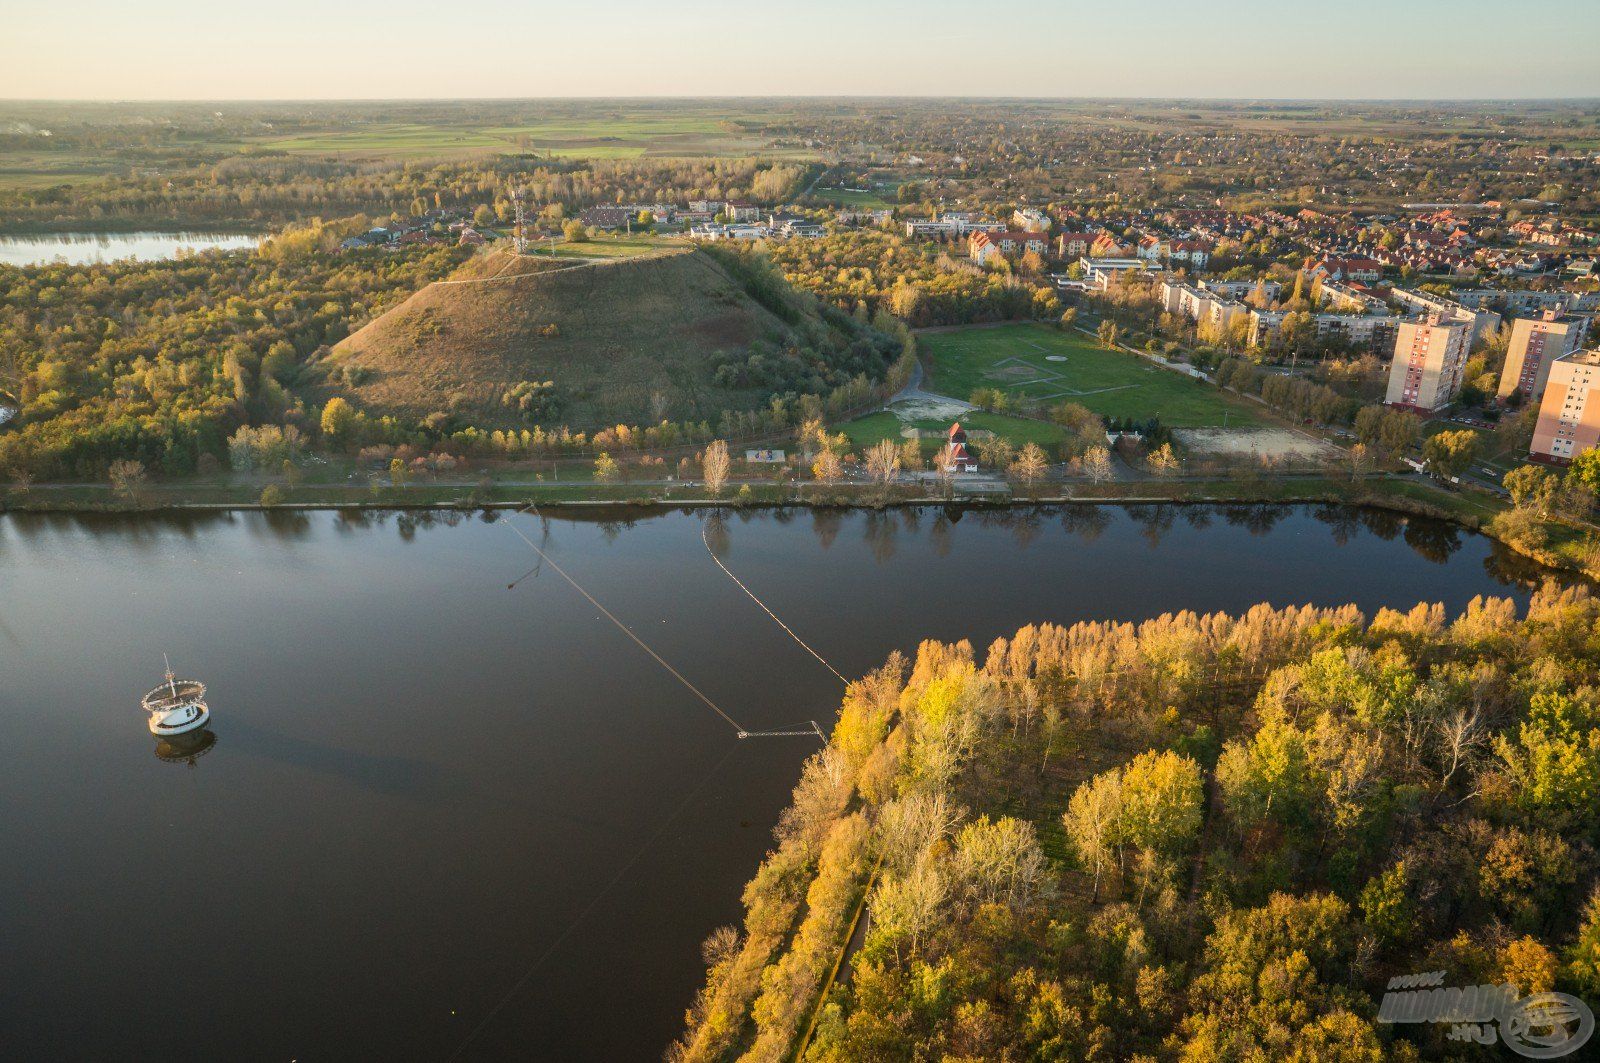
<point>1569,416</point>
<point>1430,355</point>
<point>1536,344</point>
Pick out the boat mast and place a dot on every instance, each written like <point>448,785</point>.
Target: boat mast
<point>171,684</point>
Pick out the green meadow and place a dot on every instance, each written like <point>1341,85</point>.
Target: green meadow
<point>1041,363</point>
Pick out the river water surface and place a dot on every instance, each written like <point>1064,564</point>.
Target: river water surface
<point>440,812</point>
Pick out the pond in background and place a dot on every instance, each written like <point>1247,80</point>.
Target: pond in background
<point>80,248</point>
<point>438,807</point>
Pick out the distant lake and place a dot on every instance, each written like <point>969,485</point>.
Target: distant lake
<point>79,248</point>
<point>440,808</point>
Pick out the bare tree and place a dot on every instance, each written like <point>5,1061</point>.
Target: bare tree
<point>1097,463</point>
<point>1030,465</point>
<point>1162,460</point>
<point>715,467</point>
<point>944,468</point>
<point>1091,822</point>
<point>909,905</point>
<point>1360,461</point>
<point>911,455</point>
<point>883,461</point>
<point>1458,736</point>
<point>128,478</point>
<point>995,452</point>
<point>812,436</point>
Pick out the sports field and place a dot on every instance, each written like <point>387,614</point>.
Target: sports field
<point>863,432</point>
<point>1041,363</point>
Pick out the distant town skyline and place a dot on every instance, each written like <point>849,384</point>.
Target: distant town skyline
<point>404,49</point>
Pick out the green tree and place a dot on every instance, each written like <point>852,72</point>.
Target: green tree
<point>338,421</point>
<point>1450,453</point>
<point>1162,799</point>
<point>1108,333</point>
<point>1267,775</point>
<point>1387,906</point>
<point>1531,487</point>
<point>1585,470</point>
<point>1553,763</point>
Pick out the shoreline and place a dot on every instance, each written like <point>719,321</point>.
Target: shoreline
<point>1398,494</point>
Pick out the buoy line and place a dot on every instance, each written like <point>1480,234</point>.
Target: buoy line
<point>787,629</point>
<point>811,729</point>
<point>626,630</point>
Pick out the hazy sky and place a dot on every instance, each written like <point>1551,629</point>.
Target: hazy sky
<point>226,49</point>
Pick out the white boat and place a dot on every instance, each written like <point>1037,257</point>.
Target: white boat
<point>177,706</point>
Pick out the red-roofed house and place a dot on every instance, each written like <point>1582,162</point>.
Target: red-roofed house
<point>984,246</point>
<point>958,460</point>
<point>1365,270</point>
<point>1107,246</point>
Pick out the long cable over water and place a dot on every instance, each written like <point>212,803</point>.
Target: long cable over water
<point>626,630</point>
<point>789,630</point>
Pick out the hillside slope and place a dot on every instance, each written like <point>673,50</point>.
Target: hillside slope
<point>625,341</point>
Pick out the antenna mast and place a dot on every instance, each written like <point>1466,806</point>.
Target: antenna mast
<point>519,232</point>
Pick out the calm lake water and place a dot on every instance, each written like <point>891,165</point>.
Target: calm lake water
<point>78,248</point>
<point>438,808</point>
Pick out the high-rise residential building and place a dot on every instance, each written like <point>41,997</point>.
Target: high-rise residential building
<point>1535,345</point>
<point>1430,355</point>
<point>1569,416</point>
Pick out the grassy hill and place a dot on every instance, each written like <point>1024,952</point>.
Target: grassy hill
<point>625,341</point>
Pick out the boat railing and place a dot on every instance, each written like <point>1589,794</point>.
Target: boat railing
<point>173,695</point>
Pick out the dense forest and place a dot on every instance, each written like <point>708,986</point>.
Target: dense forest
<point>1195,838</point>
<point>160,362</point>
<point>920,283</point>
<point>222,359</point>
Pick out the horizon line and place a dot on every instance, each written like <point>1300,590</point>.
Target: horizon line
<point>5,100</point>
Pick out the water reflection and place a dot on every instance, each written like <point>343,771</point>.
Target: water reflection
<point>186,748</point>
<point>397,776</point>
<point>1434,540</point>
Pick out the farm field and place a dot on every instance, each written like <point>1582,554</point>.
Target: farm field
<point>1036,362</point>
<point>621,137</point>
